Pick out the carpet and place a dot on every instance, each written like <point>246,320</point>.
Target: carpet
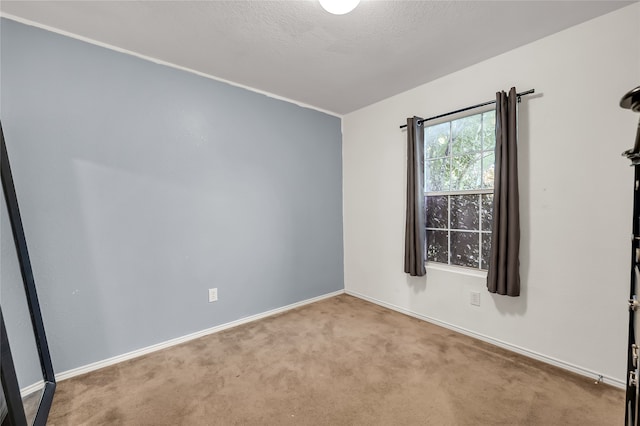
<point>339,361</point>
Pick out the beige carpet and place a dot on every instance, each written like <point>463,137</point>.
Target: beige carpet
<point>341,361</point>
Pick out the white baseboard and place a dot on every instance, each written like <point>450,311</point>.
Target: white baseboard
<point>505,345</point>
<point>28,390</point>
<point>153,348</point>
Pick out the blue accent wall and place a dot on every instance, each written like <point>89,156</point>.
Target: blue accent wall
<point>142,186</point>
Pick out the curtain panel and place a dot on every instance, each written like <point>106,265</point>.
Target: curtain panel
<point>503,276</point>
<point>415,230</point>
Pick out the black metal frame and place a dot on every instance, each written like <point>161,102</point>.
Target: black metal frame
<point>16,416</point>
<point>632,101</point>
<point>631,393</point>
<point>10,387</point>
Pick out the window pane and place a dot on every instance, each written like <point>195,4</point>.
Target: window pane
<point>489,130</point>
<point>466,135</point>
<point>437,246</point>
<point>486,249</point>
<point>436,140</point>
<point>465,172</point>
<point>488,169</point>
<point>437,175</point>
<point>487,211</point>
<point>465,212</point>
<point>465,249</point>
<point>437,211</point>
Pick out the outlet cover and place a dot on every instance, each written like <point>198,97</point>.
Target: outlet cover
<point>213,294</point>
<point>475,298</point>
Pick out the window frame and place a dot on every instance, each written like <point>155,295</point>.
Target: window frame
<point>432,264</point>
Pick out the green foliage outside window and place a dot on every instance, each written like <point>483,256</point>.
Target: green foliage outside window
<point>459,154</point>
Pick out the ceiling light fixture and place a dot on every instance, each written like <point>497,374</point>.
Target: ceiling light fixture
<point>339,7</point>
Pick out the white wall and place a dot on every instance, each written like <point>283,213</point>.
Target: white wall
<point>576,197</point>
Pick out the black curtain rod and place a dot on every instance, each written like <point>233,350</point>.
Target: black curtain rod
<point>528,92</point>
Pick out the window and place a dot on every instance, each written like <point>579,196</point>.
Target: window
<point>459,167</point>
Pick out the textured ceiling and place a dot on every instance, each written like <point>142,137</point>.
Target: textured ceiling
<point>296,50</point>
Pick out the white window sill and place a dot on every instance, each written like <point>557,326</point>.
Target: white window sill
<point>456,269</point>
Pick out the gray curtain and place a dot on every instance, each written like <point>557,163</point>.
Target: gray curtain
<point>504,276</point>
<point>415,232</point>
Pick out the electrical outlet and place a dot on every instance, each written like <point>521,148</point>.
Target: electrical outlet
<point>475,298</point>
<point>213,294</point>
